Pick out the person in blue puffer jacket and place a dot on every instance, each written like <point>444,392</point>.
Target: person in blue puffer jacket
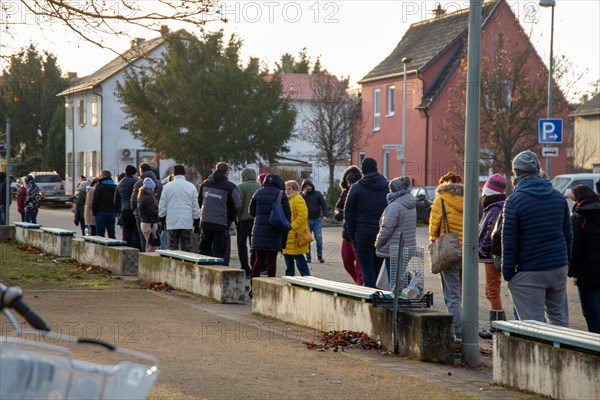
<point>536,244</point>
<point>364,206</point>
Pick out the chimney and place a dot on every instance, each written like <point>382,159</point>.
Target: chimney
<point>136,42</point>
<point>439,11</point>
<point>71,76</point>
<point>584,98</point>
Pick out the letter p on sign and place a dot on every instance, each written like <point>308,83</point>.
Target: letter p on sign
<point>550,130</point>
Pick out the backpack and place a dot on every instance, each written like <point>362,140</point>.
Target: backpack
<point>496,250</point>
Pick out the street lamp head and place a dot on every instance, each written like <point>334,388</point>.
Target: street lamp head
<point>406,60</point>
<point>547,3</point>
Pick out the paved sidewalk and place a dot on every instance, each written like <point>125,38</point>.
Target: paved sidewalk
<point>217,351</point>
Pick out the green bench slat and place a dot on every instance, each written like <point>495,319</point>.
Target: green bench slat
<point>28,225</point>
<point>188,256</point>
<point>105,241</point>
<point>59,232</point>
<point>556,334</point>
<point>346,289</point>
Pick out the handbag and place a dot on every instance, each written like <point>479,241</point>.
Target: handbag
<point>445,251</point>
<point>277,218</point>
<point>154,240</point>
<point>303,238</point>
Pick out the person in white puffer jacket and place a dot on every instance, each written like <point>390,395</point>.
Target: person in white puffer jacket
<point>399,216</point>
<point>179,205</point>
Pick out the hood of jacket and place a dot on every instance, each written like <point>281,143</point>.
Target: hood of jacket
<point>274,180</point>
<point>452,194</point>
<point>107,181</point>
<point>354,169</point>
<point>407,200</point>
<point>535,186</point>
<point>248,174</point>
<point>147,174</point>
<point>217,177</point>
<point>374,181</point>
<point>309,183</point>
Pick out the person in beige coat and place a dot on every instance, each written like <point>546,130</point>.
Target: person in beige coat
<point>90,221</point>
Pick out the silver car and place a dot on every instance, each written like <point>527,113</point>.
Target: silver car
<point>52,189</point>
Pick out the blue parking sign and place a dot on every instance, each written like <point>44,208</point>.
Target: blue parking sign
<point>550,130</point>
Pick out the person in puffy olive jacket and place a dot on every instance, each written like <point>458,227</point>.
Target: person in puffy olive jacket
<point>293,252</point>
<point>450,192</point>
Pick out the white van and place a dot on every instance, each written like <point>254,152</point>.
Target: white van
<point>565,183</point>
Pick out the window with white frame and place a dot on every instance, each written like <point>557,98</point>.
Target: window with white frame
<point>80,167</point>
<point>94,165</point>
<point>69,166</point>
<point>82,108</point>
<point>377,109</point>
<point>95,110</point>
<point>498,96</point>
<point>69,115</point>
<point>361,157</point>
<point>390,100</point>
<point>486,162</point>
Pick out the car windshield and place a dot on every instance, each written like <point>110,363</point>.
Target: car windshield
<point>47,178</point>
<point>559,183</point>
<point>431,192</point>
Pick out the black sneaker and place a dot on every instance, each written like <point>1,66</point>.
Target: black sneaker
<point>308,260</point>
<point>321,260</point>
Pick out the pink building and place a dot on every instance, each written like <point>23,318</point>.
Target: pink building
<point>437,50</point>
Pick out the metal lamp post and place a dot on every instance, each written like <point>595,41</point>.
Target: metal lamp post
<point>405,61</point>
<point>551,4</point>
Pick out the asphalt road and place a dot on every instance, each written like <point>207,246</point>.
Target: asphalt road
<point>62,217</point>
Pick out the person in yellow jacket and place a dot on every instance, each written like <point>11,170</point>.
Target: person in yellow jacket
<point>292,251</point>
<point>451,192</point>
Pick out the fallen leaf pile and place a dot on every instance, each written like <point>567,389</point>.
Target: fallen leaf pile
<point>159,286</point>
<point>341,340</point>
<point>94,268</point>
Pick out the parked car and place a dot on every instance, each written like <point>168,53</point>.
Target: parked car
<point>14,186</point>
<point>425,196</point>
<point>52,189</point>
<point>565,183</point>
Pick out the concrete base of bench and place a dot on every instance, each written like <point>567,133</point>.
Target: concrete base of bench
<point>223,284</point>
<point>121,260</point>
<point>7,232</point>
<point>425,335</point>
<point>52,244</point>
<point>560,373</point>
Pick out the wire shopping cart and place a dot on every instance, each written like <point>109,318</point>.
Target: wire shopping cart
<point>33,369</point>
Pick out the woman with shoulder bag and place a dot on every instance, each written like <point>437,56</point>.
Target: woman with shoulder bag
<point>147,206</point>
<point>449,197</point>
<point>492,200</point>
<point>294,251</point>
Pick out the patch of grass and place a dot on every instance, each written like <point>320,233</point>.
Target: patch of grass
<point>29,267</point>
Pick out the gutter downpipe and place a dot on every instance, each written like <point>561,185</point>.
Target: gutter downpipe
<point>426,132</point>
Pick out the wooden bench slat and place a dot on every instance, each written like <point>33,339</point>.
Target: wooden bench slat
<point>335,287</point>
<point>59,232</point>
<point>105,241</point>
<point>551,333</point>
<point>188,256</point>
<point>28,225</point>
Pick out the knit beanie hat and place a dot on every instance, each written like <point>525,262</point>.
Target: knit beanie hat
<point>526,162</point>
<point>261,177</point>
<point>130,170</point>
<point>368,165</point>
<point>149,183</point>
<point>495,185</point>
<point>399,183</point>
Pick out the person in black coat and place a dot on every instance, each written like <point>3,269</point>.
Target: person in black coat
<point>364,206</point>
<point>103,205</point>
<point>585,261</point>
<point>148,207</point>
<point>123,205</point>
<point>266,240</point>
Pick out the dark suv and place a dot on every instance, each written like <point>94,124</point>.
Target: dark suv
<point>51,187</point>
<point>425,196</point>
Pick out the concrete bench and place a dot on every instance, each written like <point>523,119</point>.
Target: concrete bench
<point>27,225</point>
<point>104,241</point>
<point>553,361</point>
<point>59,232</point>
<point>425,335</point>
<point>50,240</point>
<point>336,288</point>
<point>106,253</point>
<point>194,273</point>
<point>190,257</point>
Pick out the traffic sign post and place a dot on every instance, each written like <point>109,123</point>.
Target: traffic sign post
<point>550,152</point>
<point>550,130</point>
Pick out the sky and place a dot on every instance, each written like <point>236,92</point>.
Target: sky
<point>350,36</point>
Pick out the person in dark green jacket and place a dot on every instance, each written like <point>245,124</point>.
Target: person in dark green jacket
<point>245,221</point>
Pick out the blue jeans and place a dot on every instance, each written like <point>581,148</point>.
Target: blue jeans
<point>105,222</point>
<point>300,262</point>
<point>452,289</point>
<point>316,227</point>
<point>590,305</point>
<point>370,265</point>
<point>244,235</point>
<point>31,216</point>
